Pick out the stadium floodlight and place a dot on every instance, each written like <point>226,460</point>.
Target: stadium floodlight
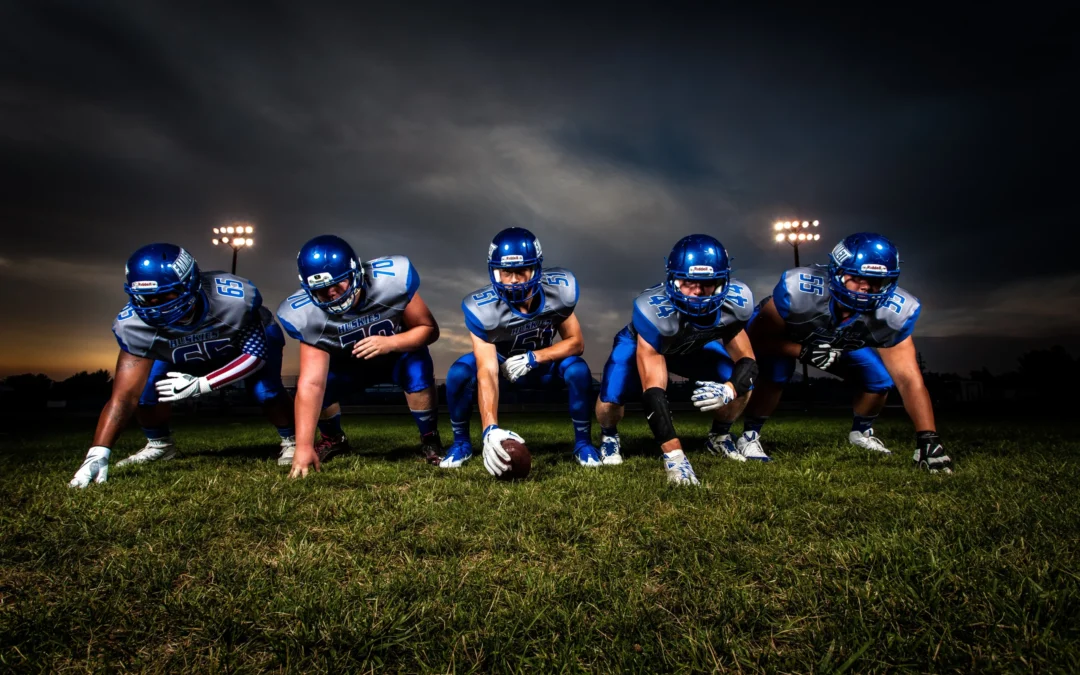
<point>778,226</point>
<point>235,242</point>
<point>780,237</point>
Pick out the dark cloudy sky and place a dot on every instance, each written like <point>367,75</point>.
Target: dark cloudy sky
<point>609,133</point>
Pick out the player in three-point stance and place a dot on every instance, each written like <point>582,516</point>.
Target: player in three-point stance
<point>690,325</point>
<point>358,324</point>
<point>850,320</point>
<point>513,322</point>
<point>183,334</point>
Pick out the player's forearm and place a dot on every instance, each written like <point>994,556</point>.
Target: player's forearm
<point>487,396</point>
<point>236,370</point>
<point>114,417</point>
<point>560,350</point>
<point>653,371</point>
<point>308,402</point>
<point>414,338</point>
<point>917,403</point>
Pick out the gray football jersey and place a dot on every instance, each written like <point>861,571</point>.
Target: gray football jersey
<point>389,285</point>
<point>495,322</point>
<point>231,303</point>
<point>669,331</point>
<point>803,300</point>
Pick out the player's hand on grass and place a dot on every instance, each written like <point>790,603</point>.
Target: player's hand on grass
<point>496,458</point>
<point>929,453</point>
<point>372,346</point>
<point>176,386</point>
<point>821,356</point>
<point>304,459</point>
<point>516,367</point>
<point>712,395</point>
<point>94,468</point>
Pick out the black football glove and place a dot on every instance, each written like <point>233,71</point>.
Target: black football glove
<point>821,356</point>
<point>929,454</point>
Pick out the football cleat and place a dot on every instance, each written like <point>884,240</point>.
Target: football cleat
<point>678,469</point>
<point>721,444</point>
<point>749,446</point>
<point>288,449</point>
<point>431,449</point>
<point>868,441</point>
<point>610,450</point>
<point>586,454</point>
<point>328,448</point>
<point>154,450</point>
<point>459,453</point>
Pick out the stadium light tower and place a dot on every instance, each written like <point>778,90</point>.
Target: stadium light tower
<point>237,235</point>
<point>795,233</point>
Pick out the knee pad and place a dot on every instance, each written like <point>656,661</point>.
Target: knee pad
<point>658,414</point>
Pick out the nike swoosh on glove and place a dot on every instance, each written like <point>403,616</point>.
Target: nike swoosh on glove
<point>94,468</point>
<point>518,366</point>
<point>712,395</point>
<point>176,386</point>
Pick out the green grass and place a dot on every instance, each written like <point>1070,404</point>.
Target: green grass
<point>826,560</point>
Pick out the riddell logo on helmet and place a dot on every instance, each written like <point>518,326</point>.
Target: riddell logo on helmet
<point>144,286</point>
<point>874,268</point>
<point>705,270</point>
<point>512,259</point>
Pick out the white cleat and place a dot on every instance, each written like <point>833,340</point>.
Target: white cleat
<point>721,444</point>
<point>288,449</point>
<point>749,446</point>
<point>678,469</point>
<point>158,449</point>
<point>868,441</point>
<point>610,448</point>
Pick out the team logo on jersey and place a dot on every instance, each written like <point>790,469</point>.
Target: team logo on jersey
<point>704,270</point>
<point>147,285</point>
<point>512,259</point>
<point>874,268</point>
<point>840,253</point>
<point>183,263</point>
<point>319,278</point>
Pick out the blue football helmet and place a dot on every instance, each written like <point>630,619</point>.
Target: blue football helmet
<point>864,255</point>
<point>698,257</point>
<point>325,261</point>
<point>162,269</point>
<point>514,248</point>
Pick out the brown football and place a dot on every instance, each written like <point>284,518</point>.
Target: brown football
<point>520,460</point>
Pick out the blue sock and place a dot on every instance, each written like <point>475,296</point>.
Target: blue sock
<point>861,424</point>
<point>461,431</point>
<point>582,431</point>
<point>754,424</point>
<point>286,432</point>
<point>332,427</point>
<point>427,421</point>
<point>157,433</point>
<point>719,427</point>
<point>613,431</point>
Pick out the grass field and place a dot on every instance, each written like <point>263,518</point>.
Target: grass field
<point>826,560</point>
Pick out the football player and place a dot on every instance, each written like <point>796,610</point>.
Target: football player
<point>185,333</point>
<point>513,322</point>
<point>691,325</point>
<point>358,324</point>
<point>849,320</point>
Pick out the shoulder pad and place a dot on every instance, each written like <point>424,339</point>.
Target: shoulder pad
<point>654,316</point>
<point>301,319</point>
<point>739,300</point>
<point>900,313</point>
<point>801,291</point>
<point>390,280</point>
<point>231,298</point>
<point>133,336</point>
<point>561,283</point>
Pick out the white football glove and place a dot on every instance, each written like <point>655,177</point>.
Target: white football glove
<point>496,458</point>
<point>94,468</point>
<point>175,386</point>
<point>820,356</point>
<point>518,366</point>
<point>712,395</point>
